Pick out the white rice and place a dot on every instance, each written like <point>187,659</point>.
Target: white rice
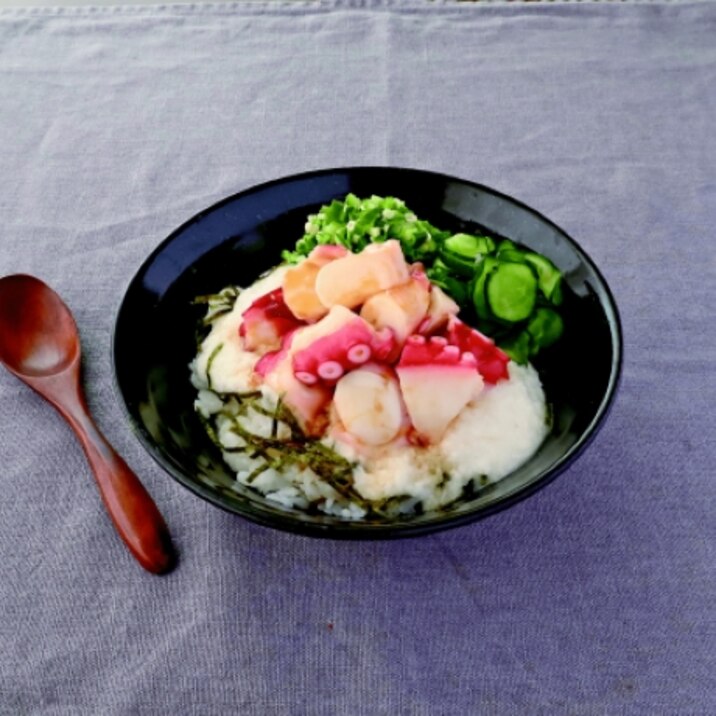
<point>489,439</point>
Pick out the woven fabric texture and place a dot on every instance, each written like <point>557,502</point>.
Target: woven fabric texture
<point>595,596</point>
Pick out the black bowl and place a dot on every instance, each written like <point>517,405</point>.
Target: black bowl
<point>235,240</point>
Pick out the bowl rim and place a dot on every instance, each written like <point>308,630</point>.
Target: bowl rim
<point>353,530</point>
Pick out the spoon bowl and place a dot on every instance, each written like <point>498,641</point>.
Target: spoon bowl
<point>38,336</point>
<point>39,343</point>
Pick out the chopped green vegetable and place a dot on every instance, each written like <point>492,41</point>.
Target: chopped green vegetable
<point>511,292</point>
<point>468,245</point>
<point>506,245</point>
<point>479,298</point>
<point>441,275</point>
<point>518,347</point>
<point>514,256</point>
<point>355,223</point>
<point>545,327</point>
<point>548,276</point>
<point>461,252</point>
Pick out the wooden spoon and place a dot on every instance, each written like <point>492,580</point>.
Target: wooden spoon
<point>39,343</point>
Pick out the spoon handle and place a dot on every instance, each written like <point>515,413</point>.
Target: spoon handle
<point>136,517</point>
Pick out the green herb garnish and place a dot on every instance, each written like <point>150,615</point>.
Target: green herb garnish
<point>210,361</point>
<point>298,449</point>
<point>218,303</point>
<point>355,223</point>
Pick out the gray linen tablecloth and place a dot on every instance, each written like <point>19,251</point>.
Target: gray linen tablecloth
<point>596,596</point>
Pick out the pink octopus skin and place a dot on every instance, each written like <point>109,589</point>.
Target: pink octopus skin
<point>266,321</point>
<point>307,403</point>
<point>270,360</point>
<point>324,253</point>
<point>417,272</point>
<point>437,380</point>
<point>420,351</point>
<point>491,361</point>
<point>351,346</point>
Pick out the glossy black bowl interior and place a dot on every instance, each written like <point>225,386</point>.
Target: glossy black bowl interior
<point>235,240</point>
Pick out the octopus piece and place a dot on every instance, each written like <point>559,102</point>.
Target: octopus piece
<point>351,280</point>
<point>440,310</point>
<point>339,343</point>
<point>437,381</point>
<point>417,272</point>
<point>308,404</point>
<point>299,283</point>
<point>269,361</point>
<point>491,361</point>
<point>401,308</point>
<point>266,321</point>
<point>369,405</point>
